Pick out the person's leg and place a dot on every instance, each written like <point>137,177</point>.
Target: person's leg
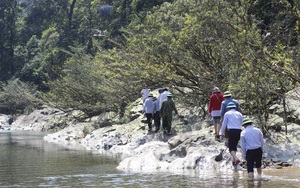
<point>155,122</point>
<point>233,139</point>
<point>258,159</point>
<point>169,123</point>
<point>234,157</point>
<point>149,119</point>
<point>158,120</point>
<point>218,122</point>
<point>259,171</point>
<point>215,121</point>
<point>164,123</point>
<point>250,176</point>
<point>250,157</point>
<point>215,126</point>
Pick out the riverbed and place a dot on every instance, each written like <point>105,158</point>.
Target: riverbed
<point>26,160</point>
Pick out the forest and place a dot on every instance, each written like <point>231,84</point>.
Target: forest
<point>88,54</point>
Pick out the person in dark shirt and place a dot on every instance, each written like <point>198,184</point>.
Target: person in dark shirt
<point>166,112</point>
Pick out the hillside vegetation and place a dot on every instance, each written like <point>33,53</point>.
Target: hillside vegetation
<point>88,54</point>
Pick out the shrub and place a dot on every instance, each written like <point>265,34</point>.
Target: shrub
<point>17,97</point>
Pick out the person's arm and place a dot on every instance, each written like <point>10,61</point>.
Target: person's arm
<point>175,110</point>
<point>223,108</point>
<point>243,144</point>
<point>262,140</point>
<point>161,109</point>
<point>224,125</point>
<point>154,108</point>
<point>210,105</point>
<point>145,105</point>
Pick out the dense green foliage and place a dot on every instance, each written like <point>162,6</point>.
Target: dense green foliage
<point>87,54</point>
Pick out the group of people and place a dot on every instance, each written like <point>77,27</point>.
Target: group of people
<point>228,123</point>
<point>159,109</point>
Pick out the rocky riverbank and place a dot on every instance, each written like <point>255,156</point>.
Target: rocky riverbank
<point>191,148</point>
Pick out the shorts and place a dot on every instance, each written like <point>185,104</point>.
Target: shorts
<point>234,136</point>
<point>253,156</point>
<point>216,119</point>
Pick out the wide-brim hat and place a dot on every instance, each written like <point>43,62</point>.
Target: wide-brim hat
<point>231,105</point>
<point>227,94</point>
<point>246,121</point>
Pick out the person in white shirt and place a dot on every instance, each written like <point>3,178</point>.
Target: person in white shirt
<point>163,96</point>
<point>148,109</point>
<point>145,92</point>
<point>252,143</point>
<point>233,122</point>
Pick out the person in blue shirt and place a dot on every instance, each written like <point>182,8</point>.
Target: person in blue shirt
<point>228,98</point>
<point>252,143</point>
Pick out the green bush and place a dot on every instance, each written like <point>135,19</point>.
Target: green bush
<point>17,97</point>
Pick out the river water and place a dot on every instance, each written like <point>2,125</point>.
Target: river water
<point>27,161</point>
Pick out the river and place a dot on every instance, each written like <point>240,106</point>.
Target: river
<point>28,161</point>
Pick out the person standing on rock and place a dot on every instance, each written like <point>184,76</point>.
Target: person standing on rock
<point>166,112</point>
<point>214,110</point>
<point>163,96</point>
<point>252,143</point>
<point>227,99</point>
<point>233,120</point>
<point>148,109</point>
<point>145,92</point>
<point>156,114</point>
<point>122,107</point>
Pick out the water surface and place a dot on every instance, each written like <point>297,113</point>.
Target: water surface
<point>28,161</point>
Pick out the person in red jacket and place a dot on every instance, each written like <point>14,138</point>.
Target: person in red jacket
<point>214,110</point>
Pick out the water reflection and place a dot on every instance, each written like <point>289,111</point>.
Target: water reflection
<point>27,161</point>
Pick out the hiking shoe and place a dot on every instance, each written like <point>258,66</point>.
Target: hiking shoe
<point>217,138</point>
<point>226,144</point>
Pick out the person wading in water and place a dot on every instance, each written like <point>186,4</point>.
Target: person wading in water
<point>233,122</point>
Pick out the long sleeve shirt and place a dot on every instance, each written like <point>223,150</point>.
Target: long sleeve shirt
<point>145,93</point>
<point>167,108</point>
<point>251,138</point>
<point>148,106</point>
<point>224,104</point>
<point>162,97</point>
<point>215,101</point>
<point>232,120</point>
<point>156,106</point>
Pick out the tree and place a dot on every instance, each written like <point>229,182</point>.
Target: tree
<point>191,44</point>
<point>8,29</point>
